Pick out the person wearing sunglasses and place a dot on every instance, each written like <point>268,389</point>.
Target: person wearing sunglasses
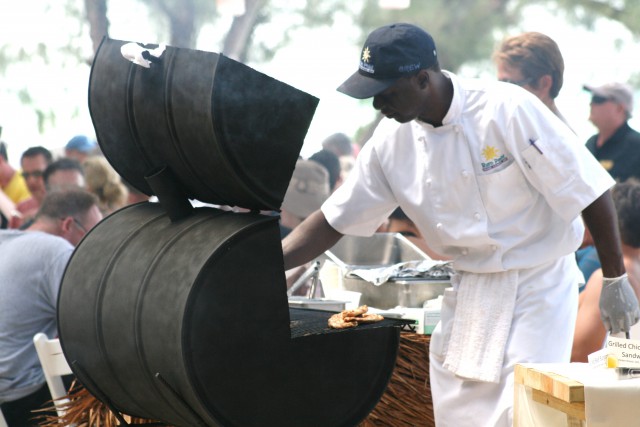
<point>32,263</point>
<point>532,61</point>
<point>616,145</point>
<point>34,161</point>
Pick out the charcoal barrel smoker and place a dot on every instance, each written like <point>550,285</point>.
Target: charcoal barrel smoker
<point>180,314</point>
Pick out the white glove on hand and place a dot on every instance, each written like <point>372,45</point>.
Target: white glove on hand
<point>618,304</point>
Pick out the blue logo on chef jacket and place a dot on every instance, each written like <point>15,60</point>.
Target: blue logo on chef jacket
<point>492,158</point>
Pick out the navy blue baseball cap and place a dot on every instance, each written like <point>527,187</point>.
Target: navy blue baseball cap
<point>389,53</point>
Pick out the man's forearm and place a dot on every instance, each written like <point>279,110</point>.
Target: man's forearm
<point>601,219</point>
<point>308,240</point>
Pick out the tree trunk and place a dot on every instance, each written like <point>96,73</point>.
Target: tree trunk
<point>96,11</point>
<point>182,21</point>
<point>237,39</point>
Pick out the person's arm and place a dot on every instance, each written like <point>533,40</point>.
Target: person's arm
<point>308,240</point>
<point>619,308</point>
<point>7,207</point>
<point>590,333</point>
<point>601,219</point>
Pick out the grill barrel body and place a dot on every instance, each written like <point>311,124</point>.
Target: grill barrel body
<point>201,303</point>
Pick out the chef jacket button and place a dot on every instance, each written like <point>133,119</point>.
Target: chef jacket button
<point>429,182</point>
<point>439,226</point>
<point>477,216</point>
<point>465,251</point>
<point>494,248</point>
<point>465,174</point>
<point>456,129</point>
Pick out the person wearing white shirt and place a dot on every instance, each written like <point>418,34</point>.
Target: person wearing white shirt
<point>32,263</point>
<point>495,181</point>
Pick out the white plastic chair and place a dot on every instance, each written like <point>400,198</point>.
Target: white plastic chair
<point>3,422</point>
<point>54,366</point>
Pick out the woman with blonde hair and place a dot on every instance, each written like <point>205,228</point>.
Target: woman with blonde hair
<point>104,182</point>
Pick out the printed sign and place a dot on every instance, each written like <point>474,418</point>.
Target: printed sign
<point>626,352</point>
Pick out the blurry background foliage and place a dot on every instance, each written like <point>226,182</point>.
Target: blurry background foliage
<point>466,30</point>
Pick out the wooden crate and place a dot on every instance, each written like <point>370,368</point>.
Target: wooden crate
<point>558,392</point>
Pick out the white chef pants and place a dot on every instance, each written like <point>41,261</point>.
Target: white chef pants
<point>541,332</point>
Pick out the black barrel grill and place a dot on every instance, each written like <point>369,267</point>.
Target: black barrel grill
<point>178,314</point>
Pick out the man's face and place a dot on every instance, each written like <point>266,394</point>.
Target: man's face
<point>32,170</point>
<point>65,178</point>
<point>604,112</point>
<point>513,74</point>
<point>403,101</point>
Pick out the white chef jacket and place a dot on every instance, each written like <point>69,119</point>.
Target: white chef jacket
<point>500,185</point>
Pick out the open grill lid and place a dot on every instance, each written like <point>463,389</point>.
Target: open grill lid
<point>229,134</point>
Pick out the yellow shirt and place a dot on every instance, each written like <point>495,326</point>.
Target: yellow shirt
<point>17,189</point>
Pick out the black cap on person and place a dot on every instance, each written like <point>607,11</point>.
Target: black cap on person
<point>389,53</point>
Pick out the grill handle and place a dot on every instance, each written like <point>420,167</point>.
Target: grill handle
<point>311,272</point>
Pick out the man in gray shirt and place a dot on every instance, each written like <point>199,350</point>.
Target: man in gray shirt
<point>32,263</point>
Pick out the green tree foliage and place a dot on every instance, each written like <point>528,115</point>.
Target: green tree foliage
<point>45,53</point>
<point>268,14</point>
<point>462,29</point>
<point>586,12</point>
<point>184,18</point>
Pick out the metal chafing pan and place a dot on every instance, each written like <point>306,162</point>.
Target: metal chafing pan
<point>316,303</point>
<point>380,250</point>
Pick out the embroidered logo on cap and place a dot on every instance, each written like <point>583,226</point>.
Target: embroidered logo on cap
<point>410,68</point>
<point>366,54</point>
<point>364,61</point>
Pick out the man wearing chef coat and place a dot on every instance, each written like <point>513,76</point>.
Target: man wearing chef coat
<point>496,182</point>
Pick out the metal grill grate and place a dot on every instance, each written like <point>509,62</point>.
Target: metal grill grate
<point>305,322</point>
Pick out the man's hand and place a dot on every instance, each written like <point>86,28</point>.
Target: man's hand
<point>618,304</point>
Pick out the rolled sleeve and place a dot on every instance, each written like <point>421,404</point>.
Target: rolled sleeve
<point>364,200</point>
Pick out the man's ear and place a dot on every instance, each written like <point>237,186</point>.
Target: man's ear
<point>66,224</point>
<point>423,78</point>
<point>545,82</point>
